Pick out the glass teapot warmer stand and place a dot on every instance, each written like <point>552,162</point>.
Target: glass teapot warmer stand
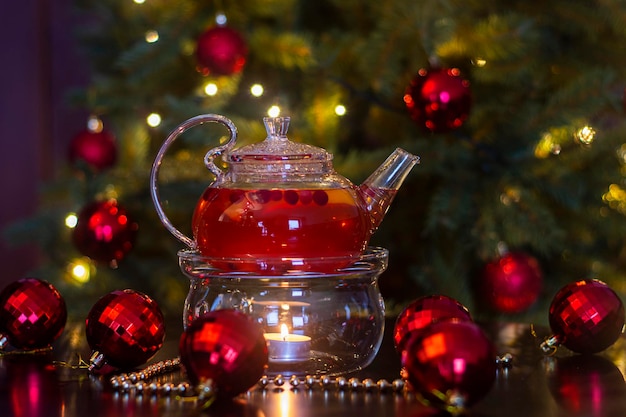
<point>315,323</point>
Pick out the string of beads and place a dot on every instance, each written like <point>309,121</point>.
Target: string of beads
<point>139,382</point>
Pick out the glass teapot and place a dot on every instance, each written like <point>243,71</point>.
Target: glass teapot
<point>280,207</point>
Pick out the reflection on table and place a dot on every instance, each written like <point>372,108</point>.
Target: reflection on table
<point>536,385</point>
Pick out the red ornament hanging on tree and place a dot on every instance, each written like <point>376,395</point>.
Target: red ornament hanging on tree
<point>94,146</point>
<point>438,100</point>
<point>104,231</point>
<point>221,51</point>
<point>511,283</point>
<point>32,314</point>
<point>585,316</point>
<point>450,364</point>
<point>225,352</point>
<point>125,328</point>
<point>423,312</point>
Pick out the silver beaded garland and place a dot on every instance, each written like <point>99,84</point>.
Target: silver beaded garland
<point>138,382</point>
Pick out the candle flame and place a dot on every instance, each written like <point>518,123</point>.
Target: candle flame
<point>284,331</point>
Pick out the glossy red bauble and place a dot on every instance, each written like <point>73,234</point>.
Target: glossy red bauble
<point>511,283</point>
<point>32,314</point>
<point>96,149</point>
<point>221,51</point>
<point>104,231</point>
<point>450,364</point>
<point>438,100</point>
<point>585,316</point>
<point>126,327</point>
<point>424,311</point>
<point>226,349</point>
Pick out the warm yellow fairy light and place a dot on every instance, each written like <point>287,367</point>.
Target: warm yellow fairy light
<point>510,196</point>
<point>586,135</point>
<point>256,90</point>
<point>152,36</point>
<point>139,1</point>
<point>71,220</point>
<point>546,146</point>
<point>153,120</point>
<point>210,89</point>
<point>273,111</point>
<point>80,270</point>
<point>615,197</point>
<point>479,62</point>
<point>340,110</point>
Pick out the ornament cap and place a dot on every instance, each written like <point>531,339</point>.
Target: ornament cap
<point>550,344</point>
<point>96,361</point>
<point>4,341</point>
<point>207,391</point>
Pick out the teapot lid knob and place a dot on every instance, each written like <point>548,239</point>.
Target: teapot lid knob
<point>276,127</point>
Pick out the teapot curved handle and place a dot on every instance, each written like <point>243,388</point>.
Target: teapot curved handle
<point>208,160</point>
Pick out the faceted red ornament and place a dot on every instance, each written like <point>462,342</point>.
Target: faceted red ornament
<point>221,51</point>
<point>97,149</point>
<point>450,364</point>
<point>585,316</point>
<point>438,100</point>
<point>126,327</point>
<point>32,314</point>
<point>226,349</point>
<point>586,385</point>
<point>424,311</point>
<point>104,231</point>
<point>512,283</point>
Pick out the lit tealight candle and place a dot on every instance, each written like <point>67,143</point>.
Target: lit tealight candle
<point>287,347</point>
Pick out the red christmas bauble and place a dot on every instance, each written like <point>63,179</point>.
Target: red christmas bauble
<point>512,283</point>
<point>438,100</point>
<point>586,385</point>
<point>32,314</point>
<point>585,316</point>
<point>104,231</point>
<point>97,149</point>
<point>126,327</point>
<point>221,51</point>
<point>450,364</point>
<point>226,349</point>
<point>423,312</point>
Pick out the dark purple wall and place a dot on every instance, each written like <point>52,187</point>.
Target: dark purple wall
<point>39,63</point>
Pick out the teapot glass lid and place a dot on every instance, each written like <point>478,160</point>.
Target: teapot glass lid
<point>277,147</point>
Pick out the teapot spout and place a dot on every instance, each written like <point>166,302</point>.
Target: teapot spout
<point>380,188</point>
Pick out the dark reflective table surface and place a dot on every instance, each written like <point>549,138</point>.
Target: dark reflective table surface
<point>535,385</point>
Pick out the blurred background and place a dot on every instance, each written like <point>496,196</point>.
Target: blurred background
<point>41,63</point>
<point>516,110</point>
